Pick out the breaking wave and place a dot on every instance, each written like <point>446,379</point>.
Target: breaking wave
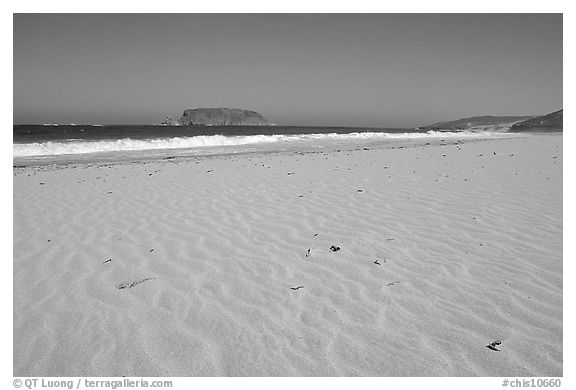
<point>76,146</point>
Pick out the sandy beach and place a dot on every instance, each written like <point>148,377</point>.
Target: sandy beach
<point>366,260</point>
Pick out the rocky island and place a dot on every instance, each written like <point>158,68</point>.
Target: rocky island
<point>218,117</point>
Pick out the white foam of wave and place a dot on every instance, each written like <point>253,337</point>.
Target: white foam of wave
<point>128,144</point>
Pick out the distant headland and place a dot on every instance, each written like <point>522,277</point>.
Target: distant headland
<point>486,122</point>
<point>547,123</point>
<point>218,117</point>
<point>515,124</point>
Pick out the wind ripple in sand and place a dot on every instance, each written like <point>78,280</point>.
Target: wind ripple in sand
<point>473,249</point>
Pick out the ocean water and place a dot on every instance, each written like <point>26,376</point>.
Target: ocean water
<point>94,142</point>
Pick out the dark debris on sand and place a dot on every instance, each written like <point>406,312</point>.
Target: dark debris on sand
<point>124,285</point>
<point>493,345</point>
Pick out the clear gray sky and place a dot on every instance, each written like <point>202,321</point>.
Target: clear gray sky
<point>387,70</point>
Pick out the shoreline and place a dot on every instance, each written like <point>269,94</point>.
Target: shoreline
<point>120,157</point>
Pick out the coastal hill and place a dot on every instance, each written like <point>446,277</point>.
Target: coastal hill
<point>546,123</point>
<point>218,117</point>
<point>487,122</point>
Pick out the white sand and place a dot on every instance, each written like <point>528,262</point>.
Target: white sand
<point>469,244</point>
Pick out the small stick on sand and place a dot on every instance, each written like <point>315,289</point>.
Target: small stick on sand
<point>107,261</point>
<point>124,285</point>
<point>296,288</point>
<point>140,281</point>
